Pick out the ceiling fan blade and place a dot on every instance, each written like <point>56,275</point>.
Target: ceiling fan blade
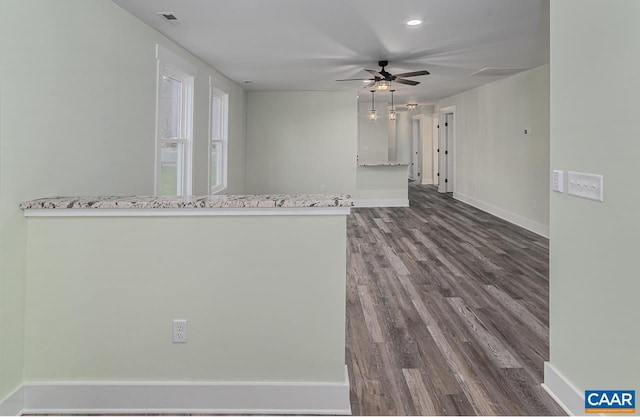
<point>408,82</point>
<point>356,79</point>
<point>412,74</point>
<point>375,73</point>
<point>371,84</point>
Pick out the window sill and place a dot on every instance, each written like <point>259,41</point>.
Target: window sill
<point>218,189</point>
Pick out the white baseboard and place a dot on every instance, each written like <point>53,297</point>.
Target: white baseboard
<point>562,391</point>
<point>187,397</point>
<point>427,181</point>
<point>535,227</point>
<point>13,404</point>
<point>382,202</point>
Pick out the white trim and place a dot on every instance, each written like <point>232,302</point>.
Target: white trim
<point>427,181</point>
<point>176,61</point>
<point>381,202</point>
<point>13,404</point>
<point>516,219</point>
<point>188,397</point>
<point>562,391</point>
<point>185,212</point>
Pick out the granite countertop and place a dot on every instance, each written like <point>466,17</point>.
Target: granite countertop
<point>194,202</point>
<point>383,164</point>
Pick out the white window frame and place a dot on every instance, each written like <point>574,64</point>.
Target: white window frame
<point>222,140</point>
<point>174,66</point>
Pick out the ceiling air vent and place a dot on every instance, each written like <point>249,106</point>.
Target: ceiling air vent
<point>171,18</point>
<point>496,72</point>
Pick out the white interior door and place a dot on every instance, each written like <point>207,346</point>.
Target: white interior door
<point>449,152</point>
<point>445,154</point>
<point>415,173</point>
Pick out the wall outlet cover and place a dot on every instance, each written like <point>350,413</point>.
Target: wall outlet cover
<point>179,331</point>
<point>585,185</point>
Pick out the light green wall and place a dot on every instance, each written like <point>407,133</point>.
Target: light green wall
<point>78,117</point>
<point>299,141</point>
<point>594,280</point>
<point>375,138</point>
<point>382,183</point>
<point>264,297</point>
<point>494,162</point>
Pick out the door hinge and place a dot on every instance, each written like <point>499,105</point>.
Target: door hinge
<point>438,149</point>
<point>446,124</point>
<point>438,126</point>
<point>446,152</point>
<point>438,174</point>
<point>446,180</point>
<point>418,174</point>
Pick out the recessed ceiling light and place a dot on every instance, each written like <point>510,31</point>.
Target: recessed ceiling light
<point>414,22</point>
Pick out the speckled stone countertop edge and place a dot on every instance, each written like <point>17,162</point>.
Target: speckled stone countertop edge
<point>193,202</point>
<point>383,164</point>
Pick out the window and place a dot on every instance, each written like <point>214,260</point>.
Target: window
<point>218,140</point>
<point>174,142</point>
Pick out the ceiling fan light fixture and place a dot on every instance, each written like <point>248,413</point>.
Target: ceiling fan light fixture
<point>383,85</point>
<point>414,22</point>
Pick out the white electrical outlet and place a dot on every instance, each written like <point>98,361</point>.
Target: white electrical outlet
<point>179,331</point>
<point>589,186</point>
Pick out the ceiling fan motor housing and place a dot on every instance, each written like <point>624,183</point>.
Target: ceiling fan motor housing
<point>387,75</point>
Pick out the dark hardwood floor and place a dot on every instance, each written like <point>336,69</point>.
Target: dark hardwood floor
<point>447,311</point>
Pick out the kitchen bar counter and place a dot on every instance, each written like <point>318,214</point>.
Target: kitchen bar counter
<point>193,202</point>
<point>261,280</point>
<point>383,164</point>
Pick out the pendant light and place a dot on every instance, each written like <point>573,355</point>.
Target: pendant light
<point>392,112</point>
<point>372,113</point>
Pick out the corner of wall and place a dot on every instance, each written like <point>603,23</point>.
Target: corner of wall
<point>13,404</point>
<point>562,391</point>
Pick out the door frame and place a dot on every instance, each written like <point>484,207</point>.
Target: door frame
<point>442,112</point>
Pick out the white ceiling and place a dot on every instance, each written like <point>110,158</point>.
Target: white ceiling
<point>298,45</point>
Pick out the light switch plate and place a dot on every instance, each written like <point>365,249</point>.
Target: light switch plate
<point>584,185</point>
<point>558,181</point>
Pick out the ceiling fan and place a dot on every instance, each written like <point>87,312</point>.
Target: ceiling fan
<point>383,75</point>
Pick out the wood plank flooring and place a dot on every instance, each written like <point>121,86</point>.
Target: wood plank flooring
<point>447,311</point>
